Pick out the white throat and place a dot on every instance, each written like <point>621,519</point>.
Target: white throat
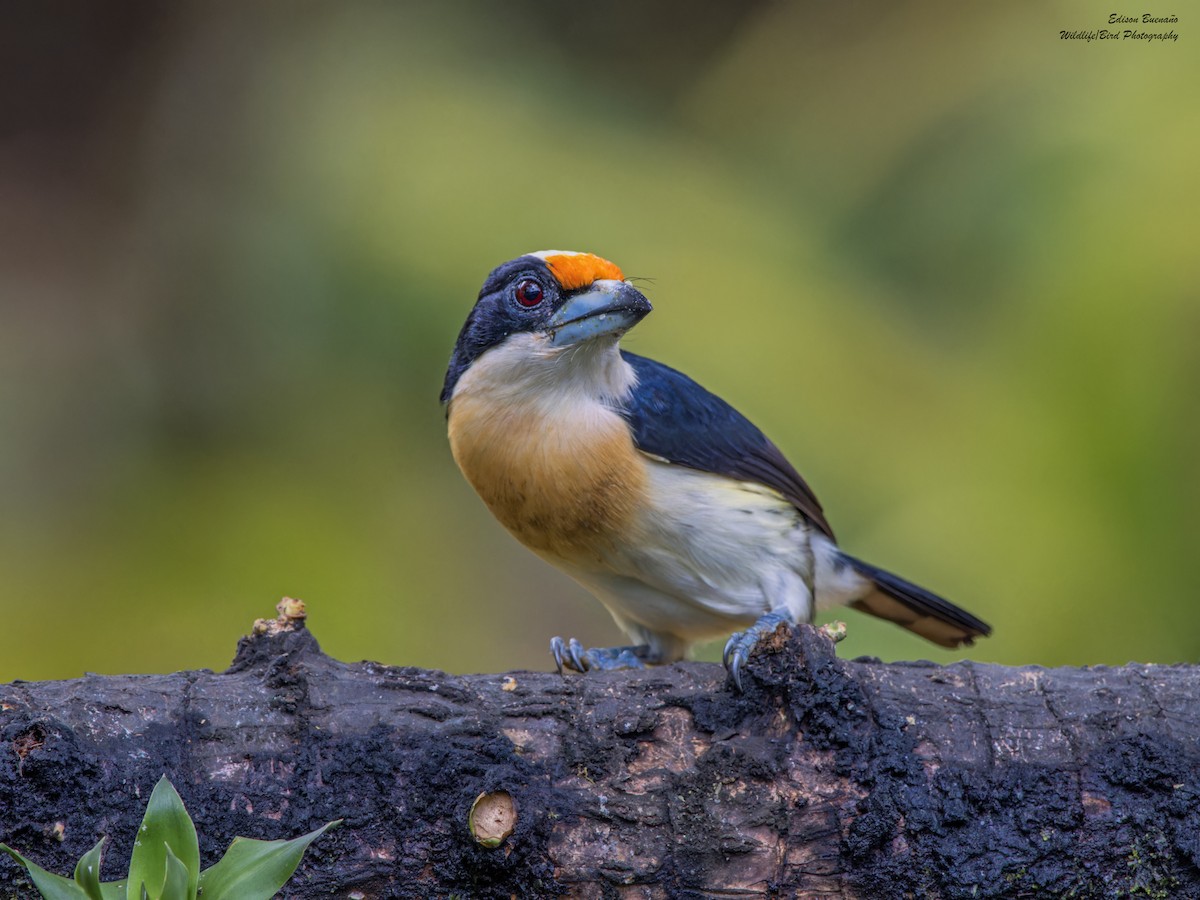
<point>526,370</point>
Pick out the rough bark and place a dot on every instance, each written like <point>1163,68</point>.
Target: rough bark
<point>827,778</point>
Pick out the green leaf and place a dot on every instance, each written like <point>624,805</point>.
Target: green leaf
<point>87,871</point>
<point>165,825</point>
<point>113,890</point>
<point>49,885</point>
<point>256,870</point>
<point>176,886</point>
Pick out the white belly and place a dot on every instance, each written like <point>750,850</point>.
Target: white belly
<point>703,556</point>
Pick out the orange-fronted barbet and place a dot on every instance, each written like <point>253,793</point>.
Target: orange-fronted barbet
<point>656,495</point>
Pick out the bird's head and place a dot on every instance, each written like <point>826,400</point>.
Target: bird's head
<point>542,307</point>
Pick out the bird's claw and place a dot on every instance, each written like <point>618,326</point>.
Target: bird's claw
<point>741,644</point>
<point>571,654</point>
<point>568,654</point>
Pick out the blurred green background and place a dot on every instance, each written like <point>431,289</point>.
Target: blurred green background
<point>945,259</point>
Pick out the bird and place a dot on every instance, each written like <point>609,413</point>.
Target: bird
<point>654,494</point>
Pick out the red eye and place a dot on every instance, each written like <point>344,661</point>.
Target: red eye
<point>529,293</point>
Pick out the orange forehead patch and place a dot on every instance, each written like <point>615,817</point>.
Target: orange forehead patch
<point>578,270</point>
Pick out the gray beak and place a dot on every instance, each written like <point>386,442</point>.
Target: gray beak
<point>607,307</point>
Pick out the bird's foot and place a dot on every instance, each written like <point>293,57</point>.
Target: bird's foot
<point>741,644</point>
<point>572,655</point>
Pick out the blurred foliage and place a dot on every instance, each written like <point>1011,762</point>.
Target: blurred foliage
<point>947,260</point>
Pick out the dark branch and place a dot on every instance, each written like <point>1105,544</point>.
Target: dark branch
<point>828,778</point>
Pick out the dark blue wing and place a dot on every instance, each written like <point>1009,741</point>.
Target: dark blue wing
<point>674,418</point>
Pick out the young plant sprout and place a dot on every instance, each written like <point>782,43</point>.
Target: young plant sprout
<point>165,864</point>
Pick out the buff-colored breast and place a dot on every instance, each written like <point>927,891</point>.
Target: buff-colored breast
<point>566,484</point>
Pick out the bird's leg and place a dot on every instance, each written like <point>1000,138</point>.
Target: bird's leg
<point>741,644</point>
<point>572,655</point>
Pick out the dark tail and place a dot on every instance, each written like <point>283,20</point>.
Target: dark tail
<point>917,609</point>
